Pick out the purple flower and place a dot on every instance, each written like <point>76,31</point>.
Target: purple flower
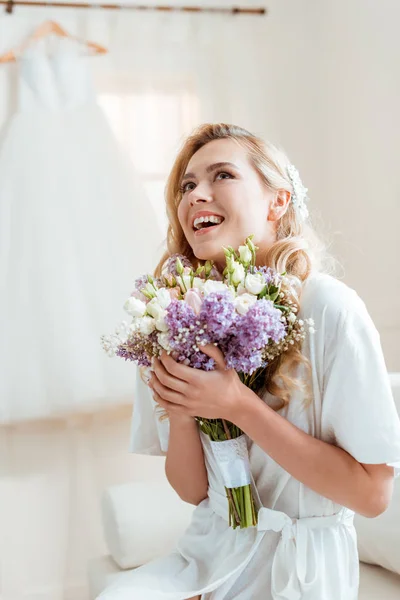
<point>250,334</point>
<point>218,314</point>
<point>242,338</point>
<point>260,324</point>
<point>170,264</point>
<point>138,350</point>
<point>184,336</point>
<point>242,359</point>
<point>143,280</point>
<point>268,274</point>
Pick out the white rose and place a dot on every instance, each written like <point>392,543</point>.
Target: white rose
<point>245,254</point>
<point>147,325</point>
<point>214,286</point>
<point>243,303</point>
<point>161,324</point>
<point>163,297</point>
<point>238,273</point>
<point>255,283</point>
<point>154,309</point>
<point>163,340</point>
<point>135,307</point>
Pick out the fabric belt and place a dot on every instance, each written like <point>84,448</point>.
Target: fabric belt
<point>295,552</point>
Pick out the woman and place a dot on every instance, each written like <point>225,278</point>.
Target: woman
<point>323,440</point>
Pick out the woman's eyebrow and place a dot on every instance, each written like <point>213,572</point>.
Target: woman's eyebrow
<point>210,168</point>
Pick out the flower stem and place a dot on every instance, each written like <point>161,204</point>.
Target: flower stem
<point>231,497</point>
<point>226,429</point>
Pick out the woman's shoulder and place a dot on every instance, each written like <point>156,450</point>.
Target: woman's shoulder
<point>324,295</point>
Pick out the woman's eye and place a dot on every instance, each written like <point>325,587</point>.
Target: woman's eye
<point>184,187</point>
<point>223,173</point>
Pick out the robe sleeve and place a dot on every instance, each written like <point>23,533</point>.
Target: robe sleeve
<point>358,407</point>
<point>148,434</point>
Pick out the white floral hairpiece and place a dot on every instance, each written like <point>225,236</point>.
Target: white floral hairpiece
<point>299,196</point>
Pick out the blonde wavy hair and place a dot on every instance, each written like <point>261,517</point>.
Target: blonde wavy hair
<point>298,249</point>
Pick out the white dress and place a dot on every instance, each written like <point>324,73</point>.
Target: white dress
<point>76,229</point>
<point>305,546</point>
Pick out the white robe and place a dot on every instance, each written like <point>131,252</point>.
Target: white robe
<point>305,545</point>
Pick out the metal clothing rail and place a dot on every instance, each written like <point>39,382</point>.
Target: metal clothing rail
<point>11,4</point>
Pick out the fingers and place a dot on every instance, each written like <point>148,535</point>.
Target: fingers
<point>176,369</point>
<point>165,393</point>
<point>169,406</point>
<point>167,380</point>
<point>215,353</point>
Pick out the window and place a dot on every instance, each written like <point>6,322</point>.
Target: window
<point>151,126</point>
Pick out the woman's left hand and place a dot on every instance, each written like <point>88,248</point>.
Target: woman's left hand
<point>182,390</point>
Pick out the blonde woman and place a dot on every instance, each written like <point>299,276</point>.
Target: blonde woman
<point>324,438</point>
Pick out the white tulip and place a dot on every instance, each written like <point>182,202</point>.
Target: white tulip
<point>161,324</point>
<point>154,309</point>
<point>243,303</point>
<point>214,286</point>
<point>163,297</point>
<point>255,283</point>
<point>238,274</point>
<point>135,307</point>
<point>245,254</point>
<point>147,325</point>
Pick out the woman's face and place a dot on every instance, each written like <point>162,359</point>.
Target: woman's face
<point>221,183</point>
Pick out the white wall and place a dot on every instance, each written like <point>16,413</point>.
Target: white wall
<point>334,77</point>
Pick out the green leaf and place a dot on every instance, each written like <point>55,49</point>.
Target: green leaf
<point>264,294</point>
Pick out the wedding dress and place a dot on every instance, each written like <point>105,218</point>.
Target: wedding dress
<point>76,229</point>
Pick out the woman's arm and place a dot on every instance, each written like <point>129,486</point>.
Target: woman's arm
<point>325,468</point>
<point>185,467</point>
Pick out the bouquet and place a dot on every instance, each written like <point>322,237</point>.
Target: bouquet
<point>246,311</point>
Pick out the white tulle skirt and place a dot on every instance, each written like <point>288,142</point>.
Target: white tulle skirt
<point>76,229</point>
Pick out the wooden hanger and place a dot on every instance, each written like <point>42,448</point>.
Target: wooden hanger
<point>48,28</point>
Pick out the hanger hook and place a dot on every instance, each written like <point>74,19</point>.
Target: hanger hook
<point>10,7</point>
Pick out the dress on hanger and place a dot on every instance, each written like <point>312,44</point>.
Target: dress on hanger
<point>76,229</point>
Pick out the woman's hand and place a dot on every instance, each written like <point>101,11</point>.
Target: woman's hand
<point>187,392</point>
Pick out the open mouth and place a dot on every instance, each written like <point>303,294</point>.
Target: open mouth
<point>204,225</point>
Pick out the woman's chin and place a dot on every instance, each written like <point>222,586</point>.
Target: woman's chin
<point>210,252</point>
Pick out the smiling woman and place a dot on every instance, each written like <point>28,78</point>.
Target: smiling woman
<point>323,440</point>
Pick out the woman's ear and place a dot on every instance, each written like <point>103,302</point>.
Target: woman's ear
<point>279,205</point>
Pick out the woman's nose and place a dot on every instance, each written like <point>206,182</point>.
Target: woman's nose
<point>199,195</point>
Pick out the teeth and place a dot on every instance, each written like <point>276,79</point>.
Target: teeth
<point>209,219</point>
